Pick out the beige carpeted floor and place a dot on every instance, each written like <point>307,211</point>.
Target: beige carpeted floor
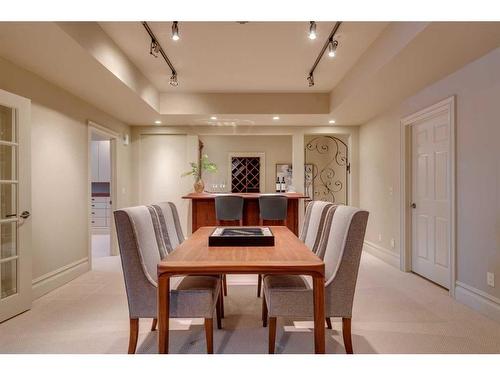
<point>394,312</point>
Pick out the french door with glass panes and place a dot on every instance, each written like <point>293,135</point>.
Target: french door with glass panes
<point>15,202</point>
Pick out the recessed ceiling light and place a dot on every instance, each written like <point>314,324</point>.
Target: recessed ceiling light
<point>157,122</point>
<point>331,122</point>
<point>213,118</point>
<point>276,118</point>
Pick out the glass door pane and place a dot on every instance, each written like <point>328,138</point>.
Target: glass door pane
<point>8,278</point>
<point>7,124</point>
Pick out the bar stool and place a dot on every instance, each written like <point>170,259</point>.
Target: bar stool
<point>228,208</point>
<point>271,207</point>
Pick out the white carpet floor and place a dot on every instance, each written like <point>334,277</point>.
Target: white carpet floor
<point>394,312</point>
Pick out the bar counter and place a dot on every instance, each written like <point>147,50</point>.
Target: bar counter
<point>203,209</point>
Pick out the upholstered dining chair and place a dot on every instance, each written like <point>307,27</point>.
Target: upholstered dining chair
<point>228,208</point>
<point>340,247</point>
<point>140,251</point>
<point>166,218</point>
<point>312,228</point>
<point>271,207</point>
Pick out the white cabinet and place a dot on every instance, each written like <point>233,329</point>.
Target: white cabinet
<point>104,161</point>
<point>100,157</point>
<point>94,160</point>
<point>100,214</point>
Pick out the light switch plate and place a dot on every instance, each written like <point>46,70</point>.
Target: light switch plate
<point>490,279</point>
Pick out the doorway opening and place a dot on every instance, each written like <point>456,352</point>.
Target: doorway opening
<point>102,186</point>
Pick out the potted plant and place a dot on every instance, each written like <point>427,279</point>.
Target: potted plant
<point>197,169</point>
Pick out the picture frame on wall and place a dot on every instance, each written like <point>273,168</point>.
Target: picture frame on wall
<point>284,171</point>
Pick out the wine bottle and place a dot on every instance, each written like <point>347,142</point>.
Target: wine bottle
<point>283,185</point>
<point>278,185</point>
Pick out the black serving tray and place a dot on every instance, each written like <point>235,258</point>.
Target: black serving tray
<point>241,236</point>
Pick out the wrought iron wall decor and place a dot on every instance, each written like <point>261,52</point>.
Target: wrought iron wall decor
<point>326,157</point>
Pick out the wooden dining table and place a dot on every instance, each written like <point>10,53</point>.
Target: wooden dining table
<point>288,256</point>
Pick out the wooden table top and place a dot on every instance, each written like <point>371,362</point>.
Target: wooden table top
<point>244,195</point>
<point>289,255</point>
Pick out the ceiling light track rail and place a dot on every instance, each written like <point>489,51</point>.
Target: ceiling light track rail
<point>330,39</point>
<point>154,40</point>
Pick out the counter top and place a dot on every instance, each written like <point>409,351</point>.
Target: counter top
<point>244,195</point>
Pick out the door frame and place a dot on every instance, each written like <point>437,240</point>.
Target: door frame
<point>446,105</point>
<point>113,137</point>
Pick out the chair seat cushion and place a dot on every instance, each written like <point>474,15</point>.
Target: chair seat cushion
<point>195,297</point>
<point>288,295</point>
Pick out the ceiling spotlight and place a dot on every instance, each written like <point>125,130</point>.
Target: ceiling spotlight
<point>173,80</point>
<point>331,122</point>
<point>175,31</point>
<point>157,122</point>
<point>332,47</point>
<point>312,30</point>
<point>154,48</point>
<point>310,80</point>
<point>276,118</point>
<point>213,118</point>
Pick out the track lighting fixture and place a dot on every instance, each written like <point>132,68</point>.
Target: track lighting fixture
<point>173,80</point>
<point>310,80</point>
<point>175,31</point>
<point>156,49</point>
<point>331,44</point>
<point>312,30</point>
<point>332,47</point>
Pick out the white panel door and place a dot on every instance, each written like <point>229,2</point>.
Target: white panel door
<point>163,158</point>
<point>15,202</point>
<point>431,198</point>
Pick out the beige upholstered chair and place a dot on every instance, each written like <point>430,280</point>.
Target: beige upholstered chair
<point>340,247</point>
<point>171,236</point>
<point>142,246</point>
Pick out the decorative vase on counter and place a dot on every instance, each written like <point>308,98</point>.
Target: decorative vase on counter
<point>199,186</point>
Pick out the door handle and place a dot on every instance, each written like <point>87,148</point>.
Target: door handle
<point>25,214</point>
<point>413,205</point>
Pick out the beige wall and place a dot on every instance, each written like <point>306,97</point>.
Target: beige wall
<point>59,175</point>
<point>277,149</point>
<point>477,90</point>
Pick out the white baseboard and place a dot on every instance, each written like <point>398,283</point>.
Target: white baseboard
<point>241,279</point>
<point>382,253</point>
<point>52,280</point>
<point>478,300</point>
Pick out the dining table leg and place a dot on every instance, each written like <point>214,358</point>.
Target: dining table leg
<point>163,312</point>
<point>319,313</point>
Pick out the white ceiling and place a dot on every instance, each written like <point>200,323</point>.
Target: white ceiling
<point>251,57</point>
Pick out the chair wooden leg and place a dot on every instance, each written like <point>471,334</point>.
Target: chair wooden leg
<point>259,285</point>
<point>272,334</point>
<point>221,300</point>
<point>209,335</point>
<point>224,284</point>
<point>328,323</point>
<point>218,312</point>
<point>153,325</point>
<point>134,333</point>
<point>264,311</point>
<point>346,333</point>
